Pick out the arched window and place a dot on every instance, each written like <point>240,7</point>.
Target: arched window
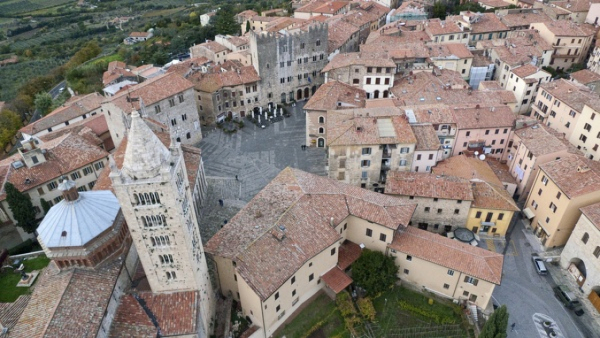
<point>157,198</point>
<point>144,221</point>
<point>154,221</point>
<point>321,119</point>
<point>162,240</point>
<point>321,130</point>
<point>167,240</point>
<point>136,199</point>
<point>585,238</point>
<point>141,199</point>
<point>152,198</point>
<point>173,275</point>
<point>147,198</point>
<point>153,241</point>
<point>168,275</point>
<point>170,258</point>
<point>162,260</point>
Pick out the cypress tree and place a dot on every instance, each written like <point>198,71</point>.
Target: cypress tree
<point>21,207</point>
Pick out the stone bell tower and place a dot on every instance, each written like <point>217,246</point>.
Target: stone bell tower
<point>153,189</point>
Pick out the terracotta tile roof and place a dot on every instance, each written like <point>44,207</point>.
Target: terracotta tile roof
<point>329,7</point>
<point>439,27</point>
<point>70,110</point>
<point>131,321</point>
<point>11,312</point>
<point>515,20</point>
<point>392,42</point>
<point>481,118</point>
<point>567,28</point>
<point>63,155</point>
<point>365,59</point>
<point>306,206</point>
<point>574,5</point>
<point>336,279</point>
<point>428,185</point>
<point>339,32</point>
<point>49,288</point>
<point>566,173</point>
<point>217,79</point>
<point>183,68</point>
<point>395,47</point>
<point>246,14</point>
<point>86,296</point>
<point>175,313</point>
<point>139,34</point>
<point>585,76</point>
<point>495,3</point>
<point>364,126</point>
<point>348,253</point>
<point>468,168</point>
<point>541,140</point>
<point>573,94</point>
<point>116,64</point>
<point>489,196</point>
<point>487,23</point>
<point>592,212</point>
<point>151,91</point>
<point>333,92</point>
<point>435,114</point>
<point>91,129</point>
<point>449,253</point>
<point>501,170</point>
<point>525,71</point>
<point>112,75</point>
<point>426,136</point>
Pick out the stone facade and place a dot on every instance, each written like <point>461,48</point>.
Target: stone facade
<point>290,64</point>
<point>438,214</point>
<point>581,251</point>
<point>153,189</point>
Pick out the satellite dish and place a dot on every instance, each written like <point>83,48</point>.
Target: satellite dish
<point>476,153</point>
<point>482,157</point>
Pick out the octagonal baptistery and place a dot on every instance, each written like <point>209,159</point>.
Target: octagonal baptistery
<point>84,229</point>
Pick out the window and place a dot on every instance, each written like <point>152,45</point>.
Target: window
<point>487,132</point>
<point>333,251</point>
<point>547,219</point>
<point>75,175</point>
<point>478,214</point>
<point>173,122</point>
<point>597,251</point>
<point>355,81</point>
<point>52,185</point>
<point>369,232</point>
<point>311,277</point>
<point>382,237</point>
<point>365,151</point>
<point>473,298</point>
<point>99,165</point>
<point>404,150</point>
<point>157,109</point>
<point>427,209</point>
<point>277,295</point>
<point>406,271</point>
<point>540,192</point>
<point>468,133</point>
<point>171,102</point>
<point>545,180</point>
<point>471,280</point>
<point>277,308</point>
<point>587,127</point>
<point>534,204</point>
<point>450,272</point>
<point>87,171</point>
<point>446,286</point>
<point>368,81</point>
<point>553,207</point>
<point>180,97</point>
<point>409,258</point>
<point>431,156</point>
<point>365,163</point>
<point>439,211</point>
<point>318,43</point>
<point>456,211</point>
<point>92,184</point>
<point>585,238</point>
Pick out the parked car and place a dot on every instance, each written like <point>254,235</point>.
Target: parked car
<point>540,267</point>
<point>568,298</point>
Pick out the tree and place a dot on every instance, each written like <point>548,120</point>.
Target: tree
<point>21,207</point>
<point>45,205</point>
<point>10,122</point>
<point>247,26</point>
<point>439,10</point>
<point>496,325</point>
<point>374,271</point>
<point>224,21</point>
<point>43,102</point>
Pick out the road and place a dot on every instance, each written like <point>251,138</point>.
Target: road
<point>529,296</point>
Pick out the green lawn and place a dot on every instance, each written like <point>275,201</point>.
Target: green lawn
<point>9,279</point>
<point>321,314</point>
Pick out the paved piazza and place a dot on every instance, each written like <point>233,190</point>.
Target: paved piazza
<point>256,156</point>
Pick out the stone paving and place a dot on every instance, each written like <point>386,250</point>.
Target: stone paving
<point>255,156</point>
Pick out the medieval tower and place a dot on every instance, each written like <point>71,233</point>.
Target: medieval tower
<point>155,196</point>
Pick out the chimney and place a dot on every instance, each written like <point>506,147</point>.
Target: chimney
<point>68,189</point>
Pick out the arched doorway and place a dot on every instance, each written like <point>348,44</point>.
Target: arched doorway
<point>230,114</point>
<point>321,142</point>
<point>314,90</point>
<point>385,93</point>
<point>594,297</point>
<point>376,94</point>
<point>282,97</point>
<point>578,270</point>
<point>255,112</point>
<point>306,93</point>
<point>299,94</point>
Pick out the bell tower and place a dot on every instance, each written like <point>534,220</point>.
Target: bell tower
<point>153,189</point>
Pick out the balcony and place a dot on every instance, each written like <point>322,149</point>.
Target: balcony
<point>386,154</point>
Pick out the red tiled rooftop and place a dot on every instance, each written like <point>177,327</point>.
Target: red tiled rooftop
<point>348,254</point>
<point>336,279</point>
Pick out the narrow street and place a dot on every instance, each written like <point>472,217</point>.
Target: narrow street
<point>529,296</point>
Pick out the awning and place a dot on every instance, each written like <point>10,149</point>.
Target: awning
<point>336,280</point>
<point>528,213</point>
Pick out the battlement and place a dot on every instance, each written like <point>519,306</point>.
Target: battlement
<point>314,29</point>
